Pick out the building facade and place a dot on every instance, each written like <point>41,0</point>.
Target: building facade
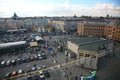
<point>66,24</point>
<point>110,30</point>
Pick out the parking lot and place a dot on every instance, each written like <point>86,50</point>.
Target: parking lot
<point>46,56</point>
<point>28,58</point>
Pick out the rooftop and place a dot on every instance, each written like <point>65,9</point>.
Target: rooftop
<point>90,43</point>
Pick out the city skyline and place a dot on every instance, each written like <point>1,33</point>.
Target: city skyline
<point>26,8</point>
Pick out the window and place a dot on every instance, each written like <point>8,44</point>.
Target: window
<point>87,55</point>
<point>93,56</point>
<point>81,54</point>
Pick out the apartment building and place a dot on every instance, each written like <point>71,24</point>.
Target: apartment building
<point>66,24</point>
<point>110,30</point>
<point>59,24</point>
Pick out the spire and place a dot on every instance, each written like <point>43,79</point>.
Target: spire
<point>75,16</point>
<point>15,17</point>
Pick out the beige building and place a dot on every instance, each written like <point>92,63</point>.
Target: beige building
<point>110,30</point>
<point>91,28</point>
<point>89,49</point>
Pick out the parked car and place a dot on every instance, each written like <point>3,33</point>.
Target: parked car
<point>46,73</point>
<point>35,77</point>
<point>8,75</point>
<point>3,64</point>
<point>28,70</point>
<point>14,73</point>
<point>39,68</point>
<point>29,77</point>
<point>33,68</point>
<point>28,59</point>
<point>36,57</point>
<point>23,59</point>
<point>40,57</point>
<point>32,58</point>
<point>19,61</point>
<point>44,56</point>
<point>44,66</point>
<point>20,71</point>
<point>42,76</point>
<point>8,63</point>
<point>13,62</point>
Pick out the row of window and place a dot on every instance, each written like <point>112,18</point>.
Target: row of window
<point>87,55</point>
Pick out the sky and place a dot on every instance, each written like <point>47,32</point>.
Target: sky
<point>31,8</point>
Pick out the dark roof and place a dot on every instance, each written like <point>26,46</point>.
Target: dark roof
<point>90,43</point>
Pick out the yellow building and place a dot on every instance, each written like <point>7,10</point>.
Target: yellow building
<point>99,29</point>
<point>116,34</point>
<point>112,32</point>
<point>89,49</point>
<point>91,28</point>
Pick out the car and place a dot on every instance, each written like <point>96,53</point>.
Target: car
<point>32,58</point>
<point>28,70</point>
<point>39,68</point>
<point>8,75</point>
<point>42,76</point>
<point>3,64</point>
<point>36,57</point>
<point>19,61</point>
<point>23,59</point>
<point>35,77</point>
<point>14,73</point>
<point>44,56</point>
<point>33,68</point>
<point>13,62</point>
<point>20,71</point>
<point>46,73</point>
<point>8,63</point>
<point>40,57</point>
<point>44,66</point>
<point>29,77</point>
<point>28,59</point>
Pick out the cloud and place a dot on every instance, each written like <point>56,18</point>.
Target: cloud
<point>24,8</point>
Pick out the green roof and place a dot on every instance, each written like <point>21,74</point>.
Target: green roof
<point>90,43</point>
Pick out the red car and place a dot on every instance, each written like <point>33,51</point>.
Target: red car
<point>14,73</point>
<point>32,58</point>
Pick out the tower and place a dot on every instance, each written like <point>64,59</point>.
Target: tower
<point>15,17</point>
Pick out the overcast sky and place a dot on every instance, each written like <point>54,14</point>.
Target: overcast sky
<point>26,8</point>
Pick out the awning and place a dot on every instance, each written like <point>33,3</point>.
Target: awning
<point>33,44</point>
<point>38,38</point>
<point>4,45</point>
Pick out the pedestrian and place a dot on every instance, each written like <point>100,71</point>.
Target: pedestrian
<point>67,76</point>
<point>76,78</point>
<point>81,77</point>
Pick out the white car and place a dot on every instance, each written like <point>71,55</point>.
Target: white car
<point>2,63</point>
<point>40,56</point>
<point>8,63</point>
<point>42,76</point>
<point>20,71</point>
